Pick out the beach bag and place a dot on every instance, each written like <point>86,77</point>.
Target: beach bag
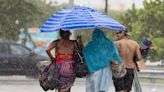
<point>118,70</point>
<point>81,69</point>
<point>49,78</point>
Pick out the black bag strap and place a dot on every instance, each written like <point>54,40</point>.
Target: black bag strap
<point>77,47</point>
<point>57,42</point>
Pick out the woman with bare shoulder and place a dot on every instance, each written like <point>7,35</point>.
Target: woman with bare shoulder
<point>64,58</point>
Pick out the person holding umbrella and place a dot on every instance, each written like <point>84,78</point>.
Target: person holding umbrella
<point>64,58</point>
<point>103,52</point>
<point>99,53</point>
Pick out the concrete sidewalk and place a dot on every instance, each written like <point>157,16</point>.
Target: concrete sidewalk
<point>23,84</point>
<point>80,86</point>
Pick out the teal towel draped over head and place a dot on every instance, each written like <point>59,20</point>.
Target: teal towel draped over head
<point>100,51</point>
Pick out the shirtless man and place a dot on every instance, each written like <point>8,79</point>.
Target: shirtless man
<point>128,49</point>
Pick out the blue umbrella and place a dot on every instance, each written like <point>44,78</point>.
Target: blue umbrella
<point>78,17</point>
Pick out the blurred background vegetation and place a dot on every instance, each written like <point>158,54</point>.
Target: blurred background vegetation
<point>146,22</point>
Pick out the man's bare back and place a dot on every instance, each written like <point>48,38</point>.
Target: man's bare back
<point>127,49</point>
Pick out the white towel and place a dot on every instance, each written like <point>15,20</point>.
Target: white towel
<point>99,80</point>
<point>136,83</point>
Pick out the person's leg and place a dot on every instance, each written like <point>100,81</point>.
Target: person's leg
<point>60,90</point>
<point>64,90</point>
<point>69,90</point>
<point>124,84</point>
<point>129,79</point>
<point>119,85</point>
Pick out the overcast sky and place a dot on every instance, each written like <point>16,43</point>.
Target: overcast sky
<point>99,4</point>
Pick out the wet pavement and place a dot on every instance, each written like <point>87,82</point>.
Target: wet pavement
<point>23,84</point>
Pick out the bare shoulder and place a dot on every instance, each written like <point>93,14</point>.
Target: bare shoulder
<point>134,42</point>
<point>53,43</point>
<point>118,43</point>
<point>115,42</point>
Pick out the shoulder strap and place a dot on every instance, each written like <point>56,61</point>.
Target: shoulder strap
<point>56,42</point>
<point>76,45</point>
<point>78,48</point>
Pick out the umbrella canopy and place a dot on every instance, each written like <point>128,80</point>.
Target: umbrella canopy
<point>79,17</point>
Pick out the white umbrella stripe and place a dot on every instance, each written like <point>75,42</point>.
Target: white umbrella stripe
<point>75,19</point>
<point>63,26</point>
<point>65,11</point>
<point>80,23</point>
<point>67,28</point>
<point>88,23</point>
<point>79,15</point>
<point>50,30</point>
<point>78,28</point>
<point>79,18</point>
<point>84,21</point>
